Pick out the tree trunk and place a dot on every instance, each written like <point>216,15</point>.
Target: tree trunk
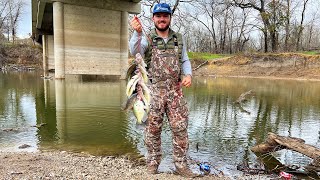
<point>301,25</point>
<point>265,33</point>
<point>287,27</point>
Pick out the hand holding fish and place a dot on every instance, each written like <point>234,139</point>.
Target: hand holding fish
<point>136,25</point>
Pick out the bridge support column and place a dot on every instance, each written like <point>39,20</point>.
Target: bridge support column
<point>45,55</point>
<point>124,44</point>
<point>58,31</point>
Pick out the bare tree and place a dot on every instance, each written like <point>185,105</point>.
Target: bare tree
<point>311,29</point>
<point>216,26</point>
<point>300,28</point>
<point>270,13</point>
<point>15,9</point>
<point>287,25</point>
<point>3,14</point>
<point>204,12</point>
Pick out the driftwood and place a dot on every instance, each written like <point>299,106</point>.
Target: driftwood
<point>200,65</point>
<point>275,142</point>
<point>243,97</point>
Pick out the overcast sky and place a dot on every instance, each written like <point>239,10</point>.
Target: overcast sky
<point>24,27</point>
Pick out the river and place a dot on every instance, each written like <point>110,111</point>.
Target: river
<point>83,114</point>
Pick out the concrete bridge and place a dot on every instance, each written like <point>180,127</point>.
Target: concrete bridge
<point>83,37</point>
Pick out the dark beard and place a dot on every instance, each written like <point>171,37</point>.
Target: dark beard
<point>162,29</point>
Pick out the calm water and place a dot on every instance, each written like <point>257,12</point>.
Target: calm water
<point>84,115</point>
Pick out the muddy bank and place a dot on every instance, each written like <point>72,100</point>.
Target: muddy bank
<point>284,65</point>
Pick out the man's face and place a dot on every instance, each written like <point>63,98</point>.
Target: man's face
<point>161,21</point>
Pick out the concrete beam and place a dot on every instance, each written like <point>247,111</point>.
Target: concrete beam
<point>40,12</point>
<point>130,6</point>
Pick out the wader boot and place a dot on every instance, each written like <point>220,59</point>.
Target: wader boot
<point>183,170</point>
<point>152,169</point>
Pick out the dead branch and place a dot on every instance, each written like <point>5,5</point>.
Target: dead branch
<point>243,97</point>
<point>202,64</point>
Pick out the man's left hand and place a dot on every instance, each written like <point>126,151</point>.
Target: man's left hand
<point>186,80</point>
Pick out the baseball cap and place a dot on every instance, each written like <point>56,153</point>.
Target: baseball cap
<point>162,8</point>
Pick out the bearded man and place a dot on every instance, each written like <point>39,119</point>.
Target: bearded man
<point>169,69</point>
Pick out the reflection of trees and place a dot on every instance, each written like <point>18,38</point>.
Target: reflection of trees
<point>46,113</point>
<point>262,123</point>
<point>14,86</point>
<point>279,106</point>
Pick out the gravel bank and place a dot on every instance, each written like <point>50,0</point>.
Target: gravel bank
<point>65,165</point>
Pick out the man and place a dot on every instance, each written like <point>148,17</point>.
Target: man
<point>165,54</point>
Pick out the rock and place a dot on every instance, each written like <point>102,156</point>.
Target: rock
<point>24,146</point>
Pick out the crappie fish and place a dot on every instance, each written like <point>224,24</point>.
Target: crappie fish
<point>145,102</point>
<point>138,110</point>
<point>130,102</point>
<point>133,87</point>
<point>133,82</point>
<point>146,92</point>
<point>144,73</point>
<point>140,101</point>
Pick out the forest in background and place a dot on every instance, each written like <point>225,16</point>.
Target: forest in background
<point>10,15</point>
<point>220,26</point>
<point>233,26</point>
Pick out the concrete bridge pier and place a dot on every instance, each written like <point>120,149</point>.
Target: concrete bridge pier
<point>58,31</point>
<point>124,44</point>
<point>45,55</point>
<point>83,37</point>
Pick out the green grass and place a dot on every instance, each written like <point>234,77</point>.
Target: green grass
<point>311,52</point>
<point>204,56</point>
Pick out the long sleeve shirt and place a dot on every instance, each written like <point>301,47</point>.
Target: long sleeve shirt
<point>139,44</point>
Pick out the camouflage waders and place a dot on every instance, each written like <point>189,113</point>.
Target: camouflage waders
<point>167,98</point>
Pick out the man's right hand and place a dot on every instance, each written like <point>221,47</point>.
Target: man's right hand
<point>135,24</point>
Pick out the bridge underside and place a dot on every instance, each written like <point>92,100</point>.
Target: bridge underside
<point>83,37</point>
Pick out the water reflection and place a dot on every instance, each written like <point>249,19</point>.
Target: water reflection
<point>88,117</point>
<point>78,115</point>
<point>289,108</point>
<point>84,115</point>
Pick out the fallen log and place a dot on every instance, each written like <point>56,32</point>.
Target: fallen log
<point>202,64</point>
<point>275,142</point>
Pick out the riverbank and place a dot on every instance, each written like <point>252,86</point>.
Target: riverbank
<point>20,57</point>
<point>295,66</point>
<point>66,165</point>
